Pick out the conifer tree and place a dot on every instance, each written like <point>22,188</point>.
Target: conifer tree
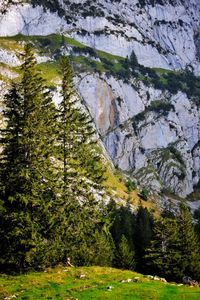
<point>174,250</point>
<point>142,235</point>
<point>163,256</point>
<point>122,230</point>
<point>125,254</point>
<point>197,221</point>
<point>27,175</point>
<point>82,174</point>
<point>190,246</point>
<point>123,223</point>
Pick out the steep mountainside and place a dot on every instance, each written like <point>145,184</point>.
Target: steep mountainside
<point>161,33</point>
<point>146,107</point>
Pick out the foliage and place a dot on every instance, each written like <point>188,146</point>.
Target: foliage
<point>177,155</point>
<point>131,233</point>
<point>144,194</point>
<point>122,231</point>
<point>133,59</point>
<point>125,254</point>
<point>197,221</point>
<point>126,69</point>
<point>174,250</point>
<point>163,257</point>
<point>142,236</point>
<point>85,218</point>
<point>190,247</point>
<point>131,185</point>
<point>51,177</point>
<point>162,107</point>
<point>27,187</point>
<point>52,5</point>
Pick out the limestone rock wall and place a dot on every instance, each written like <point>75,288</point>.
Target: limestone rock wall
<point>160,147</point>
<point>163,34</point>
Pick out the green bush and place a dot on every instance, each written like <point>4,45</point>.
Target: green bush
<point>131,185</point>
<point>144,194</point>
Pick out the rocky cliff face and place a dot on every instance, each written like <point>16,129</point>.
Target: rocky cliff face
<point>152,133</point>
<point>162,34</point>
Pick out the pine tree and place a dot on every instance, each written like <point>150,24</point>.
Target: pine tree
<point>122,230</point>
<point>190,246</point>
<point>82,175</point>
<point>125,254</point>
<point>174,250</point>
<point>197,221</point>
<point>27,174</point>
<point>163,256</point>
<point>142,235</point>
<point>123,223</point>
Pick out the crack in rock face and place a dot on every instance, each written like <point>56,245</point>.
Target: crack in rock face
<point>197,44</point>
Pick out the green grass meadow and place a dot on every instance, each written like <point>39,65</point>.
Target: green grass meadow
<point>90,283</point>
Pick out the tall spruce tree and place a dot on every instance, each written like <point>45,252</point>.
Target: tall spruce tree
<point>190,245</point>
<point>125,254</point>
<point>142,235</point>
<point>197,221</point>
<point>163,256</point>
<point>27,176</point>
<point>122,230</point>
<point>82,170</point>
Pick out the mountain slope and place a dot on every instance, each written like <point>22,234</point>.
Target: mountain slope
<point>161,33</point>
<point>148,118</point>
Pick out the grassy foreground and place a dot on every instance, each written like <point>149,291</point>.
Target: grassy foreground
<point>90,283</point>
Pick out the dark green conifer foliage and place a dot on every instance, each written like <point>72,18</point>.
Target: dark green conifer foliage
<point>125,254</point>
<point>174,250</point>
<point>190,247</point>
<point>142,235</point>
<point>27,175</point>
<point>123,223</point>
<point>122,230</point>
<point>197,221</point>
<point>163,255</point>
<point>82,170</point>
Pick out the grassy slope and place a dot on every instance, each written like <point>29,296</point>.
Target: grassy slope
<point>116,185</point>
<point>50,45</point>
<point>91,60</point>
<point>65,283</point>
